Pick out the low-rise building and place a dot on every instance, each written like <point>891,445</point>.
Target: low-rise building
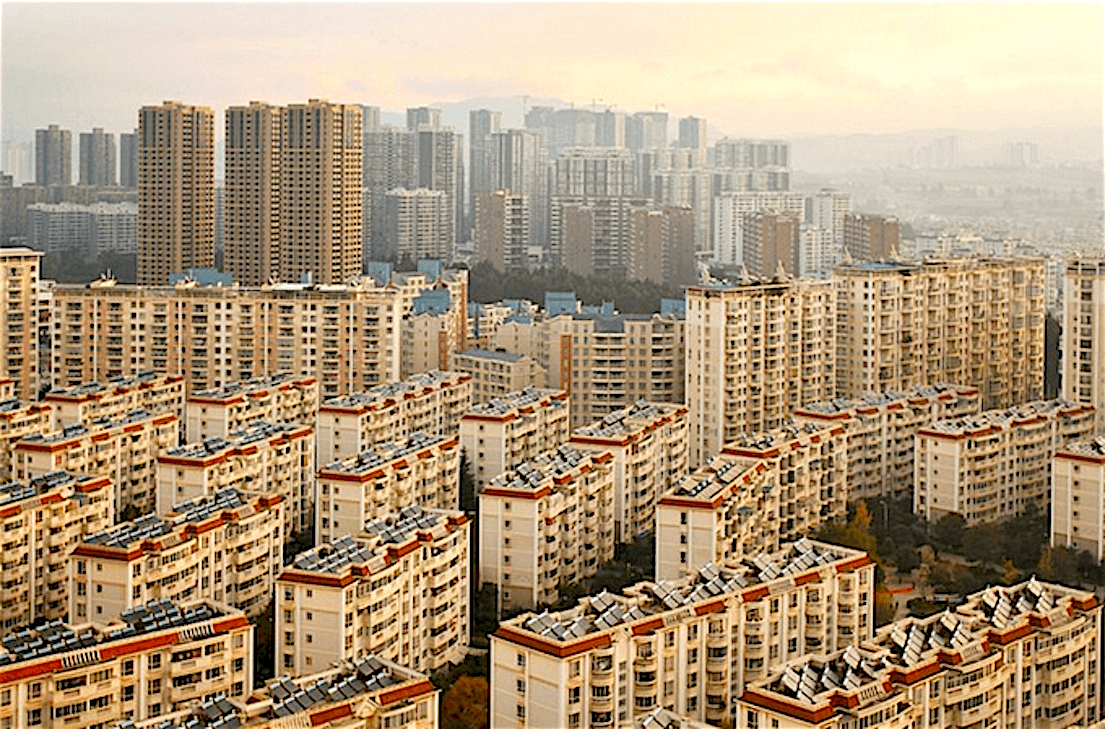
<point>691,645</point>
<point>367,694</point>
<point>280,398</point>
<point>507,431</point>
<point>992,466</point>
<point>546,524</point>
<point>1020,656</point>
<point>19,419</point>
<point>431,402</point>
<point>758,492</point>
<point>42,521</point>
<point>497,373</point>
<point>881,430</point>
<point>1078,497</point>
<point>649,445</point>
<point>149,391</point>
<point>227,547</point>
<point>265,457</point>
<point>125,450</point>
<point>399,592</point>
<point>416,471</point>
<point>155,659</point>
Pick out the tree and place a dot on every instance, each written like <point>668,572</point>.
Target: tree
<point>466,704</point>
<point>264,645</point>
<point>884,607</point>
<point>949,531</point>
<point>1009,574</point>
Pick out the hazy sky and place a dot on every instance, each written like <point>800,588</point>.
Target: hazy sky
<point>749,68</point>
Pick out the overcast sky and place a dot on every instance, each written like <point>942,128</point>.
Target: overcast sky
<point>749,68</point>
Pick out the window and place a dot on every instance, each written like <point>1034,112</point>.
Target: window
<point>34,717</point>
<point>154,686</point>
<point>573,695</point>
<point>521,711</point>
<point>521,659</point>
<point>521,686</point>
<point>155,660</point>
<point>128,668</point>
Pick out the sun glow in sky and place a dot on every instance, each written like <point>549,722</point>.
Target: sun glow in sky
<point>749,68</point>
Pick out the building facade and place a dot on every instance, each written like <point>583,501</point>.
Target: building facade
<point>496,374</point>
<point>545,525</point>
<point>53,156</point>
<point>253,191</point>
<point>44,519</point>
<point>649,445</point>
<point>227,547</point>
<point>19,284</point>
<point>279,398</point>
<point>97,158</point>
<point>994,465</point>
<point>974,322</point>
<point>1083,337</point>
<point>176,190</point>
<point>149,391</point>
<point>1078,497</point>
<point>754,352</point>
<point>399,592</point>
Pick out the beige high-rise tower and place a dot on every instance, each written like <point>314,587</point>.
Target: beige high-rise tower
<point>176,190</point>
<point>321,151</point>
<point>252,212</point>
<point>1083,339</point>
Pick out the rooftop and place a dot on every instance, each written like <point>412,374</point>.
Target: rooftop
<point>234,389</point>
<point>490,354</point>
<point>56,637</point>
<point>627,420</point>
<point>382,453</point>
<point>1095,447</point>
<point>16,491</point>
<point>514,400</point>
<point>1006,417</point>
<point>394,390</point>
<point>605,610</point>
<point>810,679</point>
<point>93,388</point>
<point>255,432</point>
<point>81,429</point>
<point>878,399</point>
<point>537,471</point>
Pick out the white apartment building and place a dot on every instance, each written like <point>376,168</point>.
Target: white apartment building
<point>1078,497</point>
<point>991,466</point>
<point>266,457</point>
<point>881,430</point>
<point>501,434</point>
<point>83,230</point>
<point>1083,339</point>
<point>124,450</point>
<point>19,283</point>
<point>347,336</point>
<point>755,351</point>
<point>155,659</point>
<point>649,444</point>
<point>608,363</point>
<point>420,470</point>
<point>367,694</point>
<point>691,645</point>
<point>43,520</point>
<point>977,322</point>
<point>399,592</point>
<point>1024,656</point>
<point>759,491</point>
<point>546,524</point>
<point>496,374</point>
<point>431,403</point>
<point>729,211</point>
<point>147,391</point>
<point>279,398</point>
<point>19,419</point>
<point>227,547</point>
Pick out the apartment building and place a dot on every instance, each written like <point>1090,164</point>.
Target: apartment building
<point>279,398</point>
<point>19,419</point>
<point>158,658</point>
<point>991,466</point>
<point>1083,339</point>
<point>19,277</point>
<point>649,444</point>
<point>881,430</point>
<point>124,450</point>
<point>496,374</point>
<point>755,351</point>
<point>432,403</point>
<point>346,336</point>
<point>1078,497</point>
<point>501,434</point>
<point>367,694</point>
<point>176,191</point>
<point>690,646</point>
<point>273,458</point>
<point>1019,656</point>
<point>227,547</point>
<point>546,524</point>
<point>608,363</point>
<point>400,592</point>
<point>759,491</point>
<point>149,391</point>
<point>431,333</point>
<point>43,520</point>
<point>872,237</point>
<point>419,470</point>
<point>976,322</point>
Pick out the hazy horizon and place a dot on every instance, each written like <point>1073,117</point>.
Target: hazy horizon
<point>755,69</point>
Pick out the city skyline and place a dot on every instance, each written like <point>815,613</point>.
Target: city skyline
<point>831,71</point>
